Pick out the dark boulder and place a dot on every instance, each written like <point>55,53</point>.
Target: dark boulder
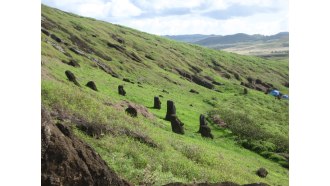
<point>157,103</point>
<point>121,90</point>
<point>237,77</point>
<point>118,39</point>
<point>149,56</point>
<point>67,160</point>
<point>44,31</point>
<point>202,82</point>
<point>91,85</point>
<point>193,91</point>
<point>184,74</point>
<point>74,63</point>
<point>258,81</point>
<point>209,78</point>
<point>250,80</point>
<point>127,80</point>
<point>117,47</point>
<point>171,110</point>
<point>177,125</point>
<point>77,51</point>
<point>217,83</point>
<point>262,172</point>
<point>57,39</point>
<point>196,69</point>
<point>71,77</point>
<point>226,75</point>
<point>131,111</point>
<point>92,129</point>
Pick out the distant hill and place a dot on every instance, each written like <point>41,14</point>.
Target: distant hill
<point>189,38</point>
<point>260,45</point>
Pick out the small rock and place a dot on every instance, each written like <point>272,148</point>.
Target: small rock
<point>262,172</point>
<point>193,91</point>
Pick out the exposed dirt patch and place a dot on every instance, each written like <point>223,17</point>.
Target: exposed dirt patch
<point>67,160</point>
<point>142,138</point>
<point>142,110</point>
<point>215,184</point>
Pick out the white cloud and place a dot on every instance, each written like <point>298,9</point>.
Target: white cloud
<point>162,20</point>
<point>97,8</point>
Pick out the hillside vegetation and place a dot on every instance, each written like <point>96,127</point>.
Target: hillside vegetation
<point>253,131</point>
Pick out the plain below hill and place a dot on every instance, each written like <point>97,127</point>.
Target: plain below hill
<point>99,83</point>
<point>259,45</point>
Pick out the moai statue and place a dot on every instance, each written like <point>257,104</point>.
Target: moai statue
<point>170,110</point>
<point>157,103</point>
<point>121,90</point>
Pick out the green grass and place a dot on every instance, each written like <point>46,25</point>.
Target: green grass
<point>185,158</point>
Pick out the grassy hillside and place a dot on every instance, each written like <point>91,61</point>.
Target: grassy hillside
<point>144,150</point>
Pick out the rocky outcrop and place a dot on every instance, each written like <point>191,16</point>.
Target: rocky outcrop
<point>77,51</point>
<point>121,49</point>
<point>67,160</point>
<point>202,82</point>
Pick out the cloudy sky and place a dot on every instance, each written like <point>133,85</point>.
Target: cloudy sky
<point>174,17</point>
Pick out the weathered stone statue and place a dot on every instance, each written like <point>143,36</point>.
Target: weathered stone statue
<point>157,103</point>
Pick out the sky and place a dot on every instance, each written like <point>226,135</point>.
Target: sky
<point>178,17</point>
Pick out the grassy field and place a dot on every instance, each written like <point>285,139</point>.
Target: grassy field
<point>185,158</point>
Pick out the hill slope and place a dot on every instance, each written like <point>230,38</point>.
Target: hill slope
<point>144,150</point>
